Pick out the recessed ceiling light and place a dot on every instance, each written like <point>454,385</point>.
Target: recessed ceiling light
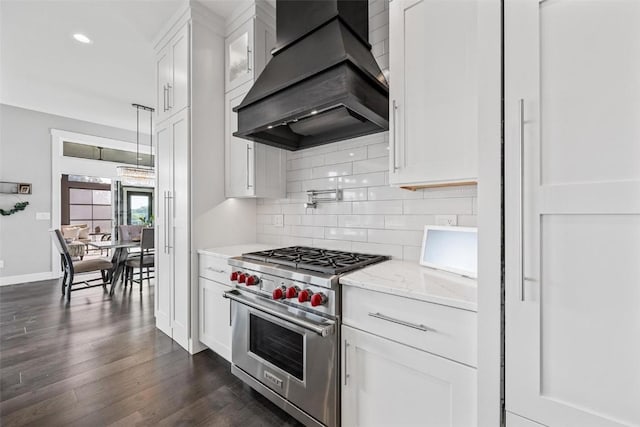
<point>82,38</point>
<point>314,112</point>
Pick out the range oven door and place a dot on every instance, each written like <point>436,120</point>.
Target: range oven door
<point>289,351</point>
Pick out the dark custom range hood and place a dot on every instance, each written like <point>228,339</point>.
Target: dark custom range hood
<point>322,84</point>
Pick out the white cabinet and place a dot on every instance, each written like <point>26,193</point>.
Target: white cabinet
<point>433,92</point>
<point>171,218</point>
<point>407,362</point>
<point>189,158</point>
<point>172,70</point>
<point>390,384</point>
<point>215,310</point>
<point>251,170</point>
<point>247,50</point>
<point>215,317</point>
<point>572,212</point>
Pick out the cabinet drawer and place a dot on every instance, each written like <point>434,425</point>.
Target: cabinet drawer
<point>214,268</point>
<point>438,329</point>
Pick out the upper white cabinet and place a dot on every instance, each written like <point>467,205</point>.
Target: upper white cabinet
<point>247,51</point>
<point>251,169</point>
<point>172,70</point>
<point>433,92</point>
<point>572,213</point>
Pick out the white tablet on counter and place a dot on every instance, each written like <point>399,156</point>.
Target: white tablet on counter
<point>453,249</point>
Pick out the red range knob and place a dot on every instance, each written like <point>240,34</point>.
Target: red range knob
<point>252,280</point>
<point>318,299</point>
<point>241,278</point>
<point>278,293</point>
<point>304,296</point>
<point>292,292</point>
<point>234,276</point>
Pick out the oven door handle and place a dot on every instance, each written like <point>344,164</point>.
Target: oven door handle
<point>323,330</point>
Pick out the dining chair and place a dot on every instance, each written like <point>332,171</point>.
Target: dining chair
<point>144,259</point>
<point>71,268</point>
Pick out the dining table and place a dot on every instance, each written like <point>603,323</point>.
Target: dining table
<point>119,256</point>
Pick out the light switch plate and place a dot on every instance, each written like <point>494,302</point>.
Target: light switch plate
<point>43,216</point>
<point>1,263</point>
<point>278,220</point>
<point>446,220</point>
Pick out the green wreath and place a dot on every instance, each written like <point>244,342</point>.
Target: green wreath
<point>16,208</point>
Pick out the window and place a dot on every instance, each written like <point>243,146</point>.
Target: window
<point>91,207</point>
<point>139,207</point>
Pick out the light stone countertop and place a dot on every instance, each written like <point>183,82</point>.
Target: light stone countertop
<point>236,250</point>
<point>411,280</point>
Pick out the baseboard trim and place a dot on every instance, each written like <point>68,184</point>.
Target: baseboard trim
<point>26,278</point>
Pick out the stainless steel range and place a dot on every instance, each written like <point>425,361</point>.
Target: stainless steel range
<point>286,327</point>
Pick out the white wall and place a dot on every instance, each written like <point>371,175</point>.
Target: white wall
<point>372,217</point>
<point>25,156</point>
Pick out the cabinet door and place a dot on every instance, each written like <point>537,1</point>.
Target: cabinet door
<point>179,87</point>
<point>215,317</point>
<point>164,73</point>
<point>180,229</point>
<point>572,205</point>
<point>239,153</point>
<point>164,258</point>
<point>389,384</point>
<point>239,48</point>
<point>433,84</point>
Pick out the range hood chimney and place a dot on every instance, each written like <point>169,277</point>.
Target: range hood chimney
<point>322,84</point>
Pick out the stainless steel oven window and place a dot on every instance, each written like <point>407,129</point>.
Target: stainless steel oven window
<point>277,345</point>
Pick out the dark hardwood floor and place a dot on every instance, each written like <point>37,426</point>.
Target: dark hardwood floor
<point>100,361</point>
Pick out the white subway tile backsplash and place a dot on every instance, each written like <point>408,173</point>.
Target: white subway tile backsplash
<point>299,175</point>
<point>379,164</point>
<point>439,206</point>
<point>351,234</point>
<point>296,241</point>
<point>394,251</point>
<point>363,180</point>
<point>324,220</point>
<point>446,192</point>
<point>467,221</point>
<point>395,237</point>
<point>372,216</point>
<point>306,162</point>
<point>378,34</point>
<point>392,193</point>
<point>331,170</point>
<point>332,208</point>
<point>354,194</point>
<point>338,245</point>
<point>357,153</point>
<point>408,222</point>
<point>263,209</point>
<point>378,150</point>
<point>294,187</point>
<point>361,221</point>
<point>377,208</point>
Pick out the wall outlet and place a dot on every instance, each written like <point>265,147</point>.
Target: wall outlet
<point>1,263</point>
<point>278,220</point>
<point>43,216</point>
<point>446,220</point>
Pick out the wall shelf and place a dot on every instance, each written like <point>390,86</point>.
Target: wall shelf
<point>8,187</point>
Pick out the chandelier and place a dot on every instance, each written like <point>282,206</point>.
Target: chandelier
<point>139,175</point>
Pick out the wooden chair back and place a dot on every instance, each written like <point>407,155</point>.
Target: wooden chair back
<point>61,244</point>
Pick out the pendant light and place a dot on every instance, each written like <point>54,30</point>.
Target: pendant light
<point>140,175</point>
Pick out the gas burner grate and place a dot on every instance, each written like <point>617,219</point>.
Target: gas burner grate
<point>316,259</point>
